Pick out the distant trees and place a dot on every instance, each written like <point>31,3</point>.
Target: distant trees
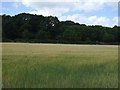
<point>42,35</point>
<point>26,27</point>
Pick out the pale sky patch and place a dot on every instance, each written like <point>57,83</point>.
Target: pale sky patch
<point>90,12</point>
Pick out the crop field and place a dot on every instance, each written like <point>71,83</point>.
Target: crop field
<point>29,65</point>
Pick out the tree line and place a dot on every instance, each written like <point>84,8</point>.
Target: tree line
<point>26,27</point>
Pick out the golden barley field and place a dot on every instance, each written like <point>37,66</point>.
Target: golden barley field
<point>32,65</point>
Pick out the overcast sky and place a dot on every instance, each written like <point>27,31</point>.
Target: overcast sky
<point>90,12</point>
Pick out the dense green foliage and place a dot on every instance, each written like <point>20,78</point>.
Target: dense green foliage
<point>37,28</point>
